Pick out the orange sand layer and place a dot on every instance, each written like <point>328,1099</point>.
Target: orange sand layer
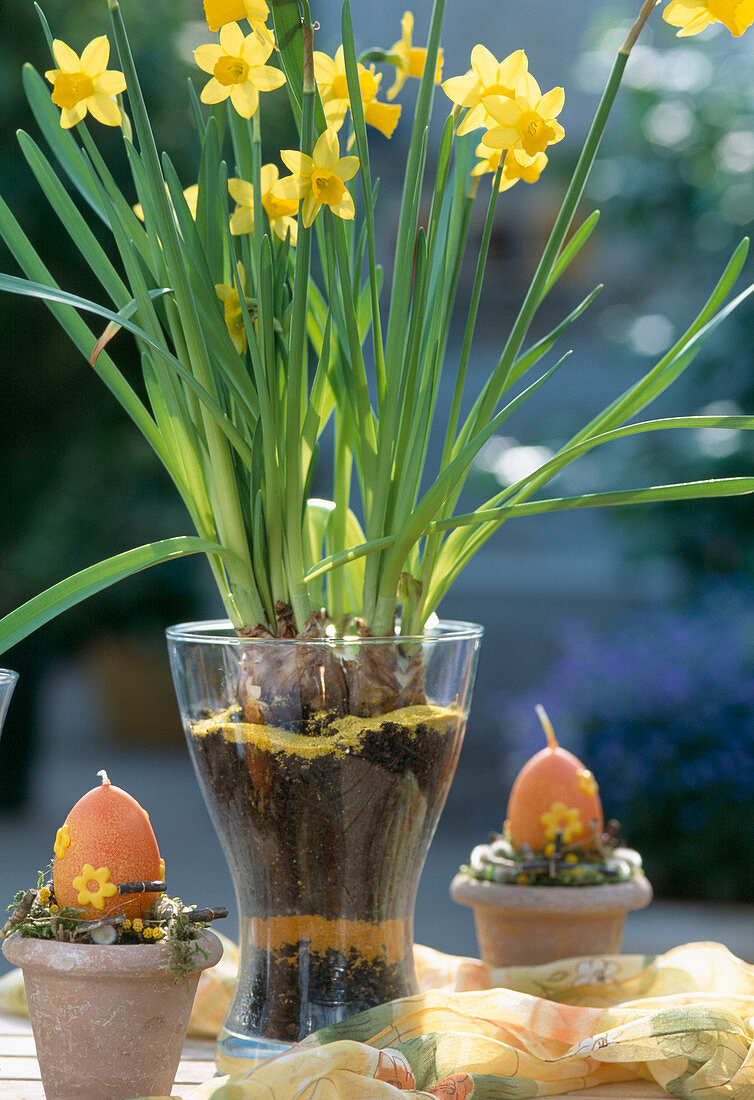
<point>386,939</point>
<point>344,734</point>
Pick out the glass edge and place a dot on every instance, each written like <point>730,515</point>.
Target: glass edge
<point>8,676</point>
<point>211,630</point>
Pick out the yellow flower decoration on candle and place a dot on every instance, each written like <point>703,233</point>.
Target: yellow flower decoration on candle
<point>560,819</point>
<point>694,16</point>
<point>162,869</point>
<point>411,59</point>
<point>586,781</point>
<point>82,84</point>
<point>94,886</point>
<point>62,841</point>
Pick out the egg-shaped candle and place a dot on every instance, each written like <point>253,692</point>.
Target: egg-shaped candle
<point>106,841</point>
<point>553,793</point>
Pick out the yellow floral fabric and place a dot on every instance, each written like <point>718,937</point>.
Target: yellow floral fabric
<point>683,1020</point>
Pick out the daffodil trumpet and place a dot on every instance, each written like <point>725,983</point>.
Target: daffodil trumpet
<point>259,309</point>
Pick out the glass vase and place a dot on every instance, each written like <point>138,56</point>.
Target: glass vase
<point>325,764</point>
<point>8,680</point>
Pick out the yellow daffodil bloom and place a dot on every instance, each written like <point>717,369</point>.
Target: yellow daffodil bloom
<point>693,16</point>
<point>319,179</point>
<point>220,12</point>
<point>232,312</point>
<point>330,74</point>
<point>562,818</point>
<point>190,194</point>
<point>487,76</point>
<point>526,122</point>
<point>516,166</point>
<point>238,70</point>
<point>94,886</point>
<point>82,84</point>
<point>411,58</point>
<point>281,213</point>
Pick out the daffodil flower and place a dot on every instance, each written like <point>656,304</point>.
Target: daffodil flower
<point>693,16</point>
<point>281,213</point>
<point>190,194</point>
<point>82,84</point>
<point>94,886</point>
<point>238,69</point>
<point>330,74</point>
<point>219,12</point>
<point>411,59</point>
<point>319,179</point>
<point>526,122</point>
<point>232,311</point>
<point>486,77</point>
<point>516,166</point>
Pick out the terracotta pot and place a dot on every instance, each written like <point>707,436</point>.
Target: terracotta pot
<point>109,1022</point>
<point>528,925</point>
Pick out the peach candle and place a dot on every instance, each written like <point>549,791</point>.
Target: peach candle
<point>105,841</point>
<point>553,793</point>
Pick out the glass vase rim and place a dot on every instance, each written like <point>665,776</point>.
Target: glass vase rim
<point>222,632</point>
<point>7,676</point>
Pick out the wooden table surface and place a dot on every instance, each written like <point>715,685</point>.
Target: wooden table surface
<point>19,1070</point>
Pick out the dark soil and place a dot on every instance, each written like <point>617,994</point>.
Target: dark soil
<point>336,834</point>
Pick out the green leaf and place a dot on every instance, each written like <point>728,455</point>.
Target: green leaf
<point>35,290</point>
<point>41,609</point>
<point>73,222</point>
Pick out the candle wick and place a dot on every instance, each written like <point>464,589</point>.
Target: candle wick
<point>102,774</point>
<point>546,726</point>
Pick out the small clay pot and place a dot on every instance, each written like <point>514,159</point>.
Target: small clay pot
<point>109,1022</point>
<point>528,925</point>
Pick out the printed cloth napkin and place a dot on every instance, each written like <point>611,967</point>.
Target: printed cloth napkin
<point>684,1020</point>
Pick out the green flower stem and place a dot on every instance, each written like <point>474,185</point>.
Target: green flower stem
<point>362,148</point>
<point>336,528</point>
<point>42,608</point>
<point>398,322</point>
<point>82,337</point>
<point>297,367</point>
<point>488,399</point>
<point>433,543</point>
<point>222,489</point>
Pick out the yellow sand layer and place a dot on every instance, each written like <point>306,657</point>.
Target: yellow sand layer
<point>344,734</point>
<point>386,939</point>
